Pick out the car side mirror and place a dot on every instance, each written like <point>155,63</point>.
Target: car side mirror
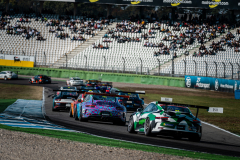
<point>139,110</point>
<point>142,98</point>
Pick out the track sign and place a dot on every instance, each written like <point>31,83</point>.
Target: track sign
<point>164,99</point>
<point>215,110</point>
<point>143,92</point>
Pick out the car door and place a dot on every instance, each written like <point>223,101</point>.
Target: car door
<point>1,75</point>
<point>143,115</point>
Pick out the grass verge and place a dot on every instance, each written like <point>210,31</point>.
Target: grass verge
<point>14,91</point>
<point>4,103</point>
<point>80,137</point>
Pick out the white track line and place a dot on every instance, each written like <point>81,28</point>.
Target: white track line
<point>43,103</point>
<point>221,129</point>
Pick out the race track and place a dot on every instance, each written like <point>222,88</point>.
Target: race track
<point>213,140</point>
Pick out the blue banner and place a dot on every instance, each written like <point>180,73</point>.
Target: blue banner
<point>209,83</point>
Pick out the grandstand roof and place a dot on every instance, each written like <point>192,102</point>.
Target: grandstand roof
<point>207,4</point>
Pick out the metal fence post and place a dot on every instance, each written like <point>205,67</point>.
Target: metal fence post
<point>195,67</point>
<point>159,63</point>
<point>216,69</point>
<point>224,69</point>
<point>45,59</point>
<point>104,63</point>
<point>232,68</point>
<point>141,65</point>
<point>86,62</point>
<point>66,60</point>
<point>123,64</point>
<point>185,65</point>
<point>238,69</point>
<point>206,68</point>
<point>172,66</point>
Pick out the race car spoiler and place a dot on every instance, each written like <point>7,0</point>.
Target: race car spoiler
<point>104,94</point>
<point>185,105</point>
<point>138,92</point>
<point>104,84</point>
<point>66,90</point>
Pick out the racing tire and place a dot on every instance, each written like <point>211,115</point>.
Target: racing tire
<point>120,123</point>
<point>75,114</point>
<point>178,137</point>
<point>5,78</point>
<point>54,110</point>
<point>147,127</point>
<point>70,112</point>
<point>196,137</point>
<point>30,82</point>
<point>130,127</point>
<point>80,117</point>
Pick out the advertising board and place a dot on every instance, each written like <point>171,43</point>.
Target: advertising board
<point>209,83</point>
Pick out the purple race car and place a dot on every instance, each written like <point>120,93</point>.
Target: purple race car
<point>103,107</point>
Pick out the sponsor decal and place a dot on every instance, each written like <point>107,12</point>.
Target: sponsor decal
<point>188,82</point>
<point>134,2</point>
<point>235,86</point>
<point>227,86</point>
<point>175,3</point>
<point>169,125</point>
<point>215,3</point>
<point>93,1</point>
<point>202,85</point>
<point>16,58</point>
<point>216,84</point>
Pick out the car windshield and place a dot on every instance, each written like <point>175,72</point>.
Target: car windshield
<point>94,91</point>
<point>87,88</point>
<point>177,109</point>
<point>69,93</point>
<point>106,98</point>
<point>68,88</point>
<point>76,78</point>
<point>132,96</point>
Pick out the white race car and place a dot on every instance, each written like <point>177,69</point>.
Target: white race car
<point>74,81</point>
<point>8,75</point>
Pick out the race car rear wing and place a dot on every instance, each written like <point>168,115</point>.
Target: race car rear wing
<point>185,105</point>
<point>138,92</point>
<point>108,95</point>
<point>66,90</point>
<point>105,83</point>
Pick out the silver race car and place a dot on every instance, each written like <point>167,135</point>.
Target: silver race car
<point>74,81</point>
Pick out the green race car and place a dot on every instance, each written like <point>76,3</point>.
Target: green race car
<point>166,119</point>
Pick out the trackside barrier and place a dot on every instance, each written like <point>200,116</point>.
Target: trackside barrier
<point>113,77</point>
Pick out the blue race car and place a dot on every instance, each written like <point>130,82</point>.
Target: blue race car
<point>133,102</point>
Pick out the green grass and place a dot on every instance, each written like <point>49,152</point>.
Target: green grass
<point>4,103</point>
<point>14,91</point>
<point>229,120</point>
<point>80,137</point>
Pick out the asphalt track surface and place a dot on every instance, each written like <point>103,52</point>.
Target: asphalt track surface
<point>213,140</point>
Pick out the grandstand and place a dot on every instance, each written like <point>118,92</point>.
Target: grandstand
<point>128,56</point>
<point>48,51</point>
<point>225,64</point>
